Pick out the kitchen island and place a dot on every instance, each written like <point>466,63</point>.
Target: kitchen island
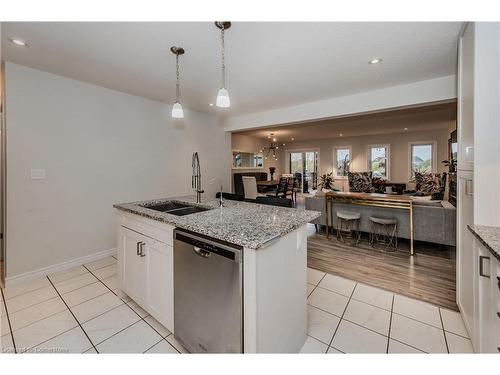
<point>272,242</point>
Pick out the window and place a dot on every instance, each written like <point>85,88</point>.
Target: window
<point>422,158</point>
<point>378,161</point>
<point>341,160</point>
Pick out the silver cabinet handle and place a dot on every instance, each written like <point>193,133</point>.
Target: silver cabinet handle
<point>141,246</point>
<point>138,252</point>
<point>481,266</point>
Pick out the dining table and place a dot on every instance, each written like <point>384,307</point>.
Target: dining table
<point>267,185</point>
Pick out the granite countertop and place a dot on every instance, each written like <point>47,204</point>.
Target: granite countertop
<point>489,237</point>
<point>250,225</point>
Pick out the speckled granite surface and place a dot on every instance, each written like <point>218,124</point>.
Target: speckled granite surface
<point>247,224</point>
<point>489,237</point>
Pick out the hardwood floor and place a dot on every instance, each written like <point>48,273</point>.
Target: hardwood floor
<point>429,275</point>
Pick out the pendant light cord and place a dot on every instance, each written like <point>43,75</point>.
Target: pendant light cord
<point>223,51</point>
<point>177,90</point>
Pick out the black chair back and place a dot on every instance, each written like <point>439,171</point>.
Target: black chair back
<point>275,201</point>
<point>282,186</point>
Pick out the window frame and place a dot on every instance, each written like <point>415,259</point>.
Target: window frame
<point>387,146</point>
<point>335,148</point>
<point>434,156</point>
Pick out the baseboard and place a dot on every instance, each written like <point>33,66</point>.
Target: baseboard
<point>31,275</point>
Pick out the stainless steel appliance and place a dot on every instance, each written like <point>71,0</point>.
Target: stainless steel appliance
<point>208,294</point>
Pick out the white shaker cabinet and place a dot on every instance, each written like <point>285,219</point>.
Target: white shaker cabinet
<point>486,333</point>
<point>133,277</point>
<point>145,260</point>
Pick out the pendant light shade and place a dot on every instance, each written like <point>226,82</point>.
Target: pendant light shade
<point>177,111</point>
<point>223,100</point>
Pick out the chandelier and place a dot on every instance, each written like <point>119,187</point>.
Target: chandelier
<point>273,147</point>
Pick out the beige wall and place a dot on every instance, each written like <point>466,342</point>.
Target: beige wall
<point>246,143</point>
<point>399,146</point>
<point>98,147</point>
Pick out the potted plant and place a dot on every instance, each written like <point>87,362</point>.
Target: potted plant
<point>271,171</point>
<point>451,164</point>
<point>326,181</point>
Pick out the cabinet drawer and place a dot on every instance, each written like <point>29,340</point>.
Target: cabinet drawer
<point>151,228</point>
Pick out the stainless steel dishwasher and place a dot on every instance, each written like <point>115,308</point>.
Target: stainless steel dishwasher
<point>208,294</point>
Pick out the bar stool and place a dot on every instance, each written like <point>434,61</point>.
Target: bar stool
<point>383,231</point>
<point>348,226</point>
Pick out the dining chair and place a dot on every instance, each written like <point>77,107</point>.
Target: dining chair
<point>275,201</point>
<point>250,188</point>
<point>280,189</point>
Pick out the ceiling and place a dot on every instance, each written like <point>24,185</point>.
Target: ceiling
<point>269,65</point>
<point>439,116</point>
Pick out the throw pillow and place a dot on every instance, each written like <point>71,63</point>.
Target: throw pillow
<point>360,182</point>
<point>428,183</point>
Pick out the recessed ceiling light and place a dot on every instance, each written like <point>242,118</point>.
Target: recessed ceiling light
<point>211,104</point>
<point>340,135</point>
<point>18,42</point>
<point>293,139</point>
<point>405,129</point>
<point>374,61</point>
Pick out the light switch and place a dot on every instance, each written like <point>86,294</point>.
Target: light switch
<point>37,174</point>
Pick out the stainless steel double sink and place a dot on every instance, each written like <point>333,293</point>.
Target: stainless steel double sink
<point>175,208</point>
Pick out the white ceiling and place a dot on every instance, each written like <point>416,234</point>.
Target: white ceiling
<point>432,117</point>
<point>269,65</point>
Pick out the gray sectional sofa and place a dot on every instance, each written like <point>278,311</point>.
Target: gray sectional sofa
<point>433,221</point>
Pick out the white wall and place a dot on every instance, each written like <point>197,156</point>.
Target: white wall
<point>487,123</point>
<point>432,90</point>
<point>98,147</point>
<point>247,143</point>
<point>399,146</point>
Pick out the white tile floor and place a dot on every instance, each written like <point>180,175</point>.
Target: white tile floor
<point>349,317</point>
<point>78,311</point>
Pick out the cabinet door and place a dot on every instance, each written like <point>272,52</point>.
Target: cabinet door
<point>160,282</point>
<point>466,270</point>
<point>483,305</point>
<point>495,299</point>
<point>133,273</point>
<point>465,89</point>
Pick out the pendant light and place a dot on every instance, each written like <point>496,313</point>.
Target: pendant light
<point>223,100</point>
<point>177,111</point>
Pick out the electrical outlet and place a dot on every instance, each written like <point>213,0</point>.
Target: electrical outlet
<point>37,174</point>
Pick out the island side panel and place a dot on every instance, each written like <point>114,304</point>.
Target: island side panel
<point>275,295</point>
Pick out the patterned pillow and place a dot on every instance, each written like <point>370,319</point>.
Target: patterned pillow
<point>360,182</point>
<point>428,183</point>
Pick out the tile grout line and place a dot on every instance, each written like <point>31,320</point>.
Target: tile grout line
<point>390,326</point>
<point>71,312</point>
<point>444,333</point>
<point>8,321</point>
<point>60,281</point>
<point>141,318</point>
<point>99,280</point>
<point>342,317</point>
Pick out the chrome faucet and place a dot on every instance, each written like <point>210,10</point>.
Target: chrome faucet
<point>221,200</point>
<point>196,177</point>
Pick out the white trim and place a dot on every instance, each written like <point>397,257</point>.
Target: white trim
<point>388,158</point>
<point>335,160</point>
<point>32,275</point>
<point>434,156</point>
<point>289,151</point>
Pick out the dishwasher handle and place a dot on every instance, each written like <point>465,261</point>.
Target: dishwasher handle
<point>206,247</point>
<point>202,253</point>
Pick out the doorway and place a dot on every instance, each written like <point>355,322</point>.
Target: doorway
<point>303,165</point>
